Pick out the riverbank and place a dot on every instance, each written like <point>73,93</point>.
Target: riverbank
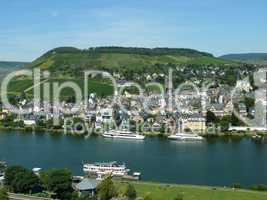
<point>159,191</point>
<point>226,134</point>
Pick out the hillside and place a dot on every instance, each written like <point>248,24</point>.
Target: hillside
<point>135,64</point>
<point>252,58</point>
<point>7,67</point>
<point>72,61</point>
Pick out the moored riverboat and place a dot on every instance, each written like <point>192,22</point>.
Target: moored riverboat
<point>100,170</point>
<point>123,134</point>
<point>186,137</point>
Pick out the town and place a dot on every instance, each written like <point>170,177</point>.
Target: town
<point>162,109</point>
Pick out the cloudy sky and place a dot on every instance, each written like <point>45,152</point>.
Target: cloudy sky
<point>30,28</point>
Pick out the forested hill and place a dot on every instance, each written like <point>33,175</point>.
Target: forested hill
<point>253,58</point>
<point>72,61</point>
<point>141,65</point>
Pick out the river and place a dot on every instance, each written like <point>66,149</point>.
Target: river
<point>218,162</point>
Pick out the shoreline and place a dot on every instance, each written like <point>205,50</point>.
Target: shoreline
<point>229,134</point>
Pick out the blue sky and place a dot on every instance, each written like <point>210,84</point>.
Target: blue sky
<point>30,28</point>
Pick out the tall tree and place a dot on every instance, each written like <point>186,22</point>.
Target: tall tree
<point>106,189</point>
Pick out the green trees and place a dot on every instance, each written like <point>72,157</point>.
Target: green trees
<point>130,192</point>
<point>19,124</point>
<point>25,182</point>
<point>21,180</point>
<point>235,121</point>
<point>8,121</point>
<point>225,122</point>
<point>3,194</point>
<point>211,118</point>
<point>106,189</point>
<point>236,185</point>
<point>249,102</point>
<point>11,172</point>
<point>58,181</point>
<point>260,187</point>
<point>2,167</point>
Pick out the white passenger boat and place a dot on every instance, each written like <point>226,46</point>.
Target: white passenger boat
<point>112,168</point>
<point>122,134</point>
<point>186,137</point>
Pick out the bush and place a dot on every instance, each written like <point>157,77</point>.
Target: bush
<point>147,197</point>
<point>3,194</point>
<point>236,185</point>
<point>179,196</point>
<point>130,192</point>
<point>260,187</point>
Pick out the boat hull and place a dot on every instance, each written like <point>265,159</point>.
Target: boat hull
<point>184,137</point>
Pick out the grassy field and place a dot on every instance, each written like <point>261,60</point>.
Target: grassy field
<point>169,192</point>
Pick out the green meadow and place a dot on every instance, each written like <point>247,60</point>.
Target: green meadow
<point>170,191</point>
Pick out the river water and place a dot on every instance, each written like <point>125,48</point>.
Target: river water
<point>218,162</point>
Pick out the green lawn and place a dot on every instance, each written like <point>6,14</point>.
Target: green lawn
<point>169,192</point>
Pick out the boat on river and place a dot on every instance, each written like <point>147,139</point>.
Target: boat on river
<point>186,137</point>
<point>100,170</point>
<point>106,168</point>
<point>257,137</point>
<point>122,134</point>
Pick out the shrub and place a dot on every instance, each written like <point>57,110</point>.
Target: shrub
<point>3,194</point>
<point>236,185</point>
<point>130,192</point>
<point>260,187</point>
<point>147,197</point>
<point>179,196</point>
<point>106,189</point>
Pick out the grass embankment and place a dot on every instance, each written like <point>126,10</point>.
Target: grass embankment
<point>170,191</point>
